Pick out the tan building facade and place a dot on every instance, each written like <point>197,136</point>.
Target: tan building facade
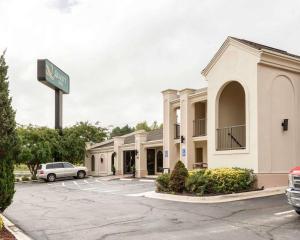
<point>140,150</point>
<point>246,117</point>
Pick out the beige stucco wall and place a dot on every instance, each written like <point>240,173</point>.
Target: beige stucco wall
<point>235,64</point>
<point>278,96</point>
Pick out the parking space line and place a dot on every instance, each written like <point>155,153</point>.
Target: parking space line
<point>63,184</point>
<point>283,213</point>
<point>75,183</point>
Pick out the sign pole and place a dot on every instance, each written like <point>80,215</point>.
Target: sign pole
<point>58,109</point>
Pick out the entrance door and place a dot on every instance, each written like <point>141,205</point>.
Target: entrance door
<point>151,161</point>
<point>159,161</point>
<point>129,161</point>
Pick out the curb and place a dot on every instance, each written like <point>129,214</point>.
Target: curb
<point>14,230</point>
<point>215,199</point>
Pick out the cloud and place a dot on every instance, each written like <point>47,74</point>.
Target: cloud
<point>121,54</point>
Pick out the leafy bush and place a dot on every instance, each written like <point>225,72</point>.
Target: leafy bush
<point>1,224</point>
<point>197,182</point>
<point>178,177</point>
<point>33,177</point>
<point>25,178</point>
<point>163,182</point>
<point>220,180</point>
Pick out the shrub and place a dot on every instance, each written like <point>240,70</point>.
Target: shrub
<point>1,224</point>
<point>197,182</point>
<point>163,182</point>
<point>220,180</point>
<point>25,178</point>
<point>178,177</point>
<point>33,177</point>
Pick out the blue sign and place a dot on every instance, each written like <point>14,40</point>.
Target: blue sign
<point>166,153</point>
<point>183,152</point>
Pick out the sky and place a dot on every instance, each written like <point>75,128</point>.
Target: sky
<point>120,54</point>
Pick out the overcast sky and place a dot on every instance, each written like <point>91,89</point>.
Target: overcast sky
<point>120,54</point>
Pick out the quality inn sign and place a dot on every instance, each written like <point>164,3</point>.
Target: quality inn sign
<point>58,80</point>
<point>52,76</point>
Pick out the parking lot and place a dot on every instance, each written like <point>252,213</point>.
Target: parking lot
<point>96,209</point>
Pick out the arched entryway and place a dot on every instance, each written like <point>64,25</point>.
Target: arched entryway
<point>231,117</point>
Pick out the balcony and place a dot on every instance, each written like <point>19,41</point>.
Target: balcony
<point>176,131</point>
<point>199,127</point>
<point>231,138</point>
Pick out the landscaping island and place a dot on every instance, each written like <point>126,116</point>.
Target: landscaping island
<point>206,182</point>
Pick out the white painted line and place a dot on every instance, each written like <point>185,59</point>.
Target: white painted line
<point>63,184</point>
<point>147,180</point>
<point>137,194</point>
<point>75,183</point>
<point>283,213</point>
<point>85,181</point>
<point>126,179</point>
<point>88,189</point>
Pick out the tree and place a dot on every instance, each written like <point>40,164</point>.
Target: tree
<point>74,138</point>
<point>144,126</point>
<point>178,176</point>
<point>37,145</point>
<point>8,139</point>
<point>117,131</point>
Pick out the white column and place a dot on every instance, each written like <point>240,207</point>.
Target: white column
<point>186,128</point>
<point>169,119</point>
<point>141,157</point>
<point>118,142</point>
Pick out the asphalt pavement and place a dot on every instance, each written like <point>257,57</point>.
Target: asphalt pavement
<point>96,209</point>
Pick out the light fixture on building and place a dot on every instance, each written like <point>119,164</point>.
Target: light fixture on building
<point>182,139</point>
<point>136,152</point>
<point>285,124</point>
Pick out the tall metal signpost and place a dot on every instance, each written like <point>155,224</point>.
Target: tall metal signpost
<point>59,81</point>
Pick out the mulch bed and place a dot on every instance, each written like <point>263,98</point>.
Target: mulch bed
<point>6,235</point>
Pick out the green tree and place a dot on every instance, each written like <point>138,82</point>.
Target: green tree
<point>37,145</point>
<point>8,139</point>
<point>143,126</point>
<point>117,131</point>
<point>74,139</point>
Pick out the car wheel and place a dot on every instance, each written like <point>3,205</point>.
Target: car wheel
<point>51,177</point>
<point>81,174</point>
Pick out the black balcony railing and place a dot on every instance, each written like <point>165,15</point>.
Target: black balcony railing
<point>231,138</point>
<point>199,127</point>
<point>176,131</point>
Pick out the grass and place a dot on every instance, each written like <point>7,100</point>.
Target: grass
<point>21,167</point>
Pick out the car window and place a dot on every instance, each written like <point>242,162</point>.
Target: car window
<point>68,165</point>
<point>49,166</point>
<point>58,165</point>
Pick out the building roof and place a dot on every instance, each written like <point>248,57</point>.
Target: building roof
<point>259,46</point>
<point>108,144</point>
<point>129,139</point>
<point>156,134</point>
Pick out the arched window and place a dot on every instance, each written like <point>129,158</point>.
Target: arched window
<point>231,128</point>
<point>93,163</point>
<point>159,161</point>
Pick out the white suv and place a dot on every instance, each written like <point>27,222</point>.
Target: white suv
<point>50,171</point>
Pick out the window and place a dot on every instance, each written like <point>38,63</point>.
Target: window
<point>58,165</point>
<point>159,161</point>
<point>93,163</point>
<point>49,166</point>
<point>101,160</point>
<point>68,165</point>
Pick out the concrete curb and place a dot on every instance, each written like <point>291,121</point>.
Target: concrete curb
<point>215,199</point>
<point>14,230</point>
